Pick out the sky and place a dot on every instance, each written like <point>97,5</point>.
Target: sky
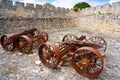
<point>68,3</point>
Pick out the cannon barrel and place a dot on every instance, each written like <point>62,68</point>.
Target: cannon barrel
<point>23,33</point>
<point>14,37</point>
<point>96,46</point>
<point>82,44</point>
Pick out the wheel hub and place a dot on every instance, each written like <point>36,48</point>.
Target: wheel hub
<point>85,62</point>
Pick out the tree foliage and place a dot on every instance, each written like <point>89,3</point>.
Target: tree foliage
<point>81,5</point>
<point>48,4</point>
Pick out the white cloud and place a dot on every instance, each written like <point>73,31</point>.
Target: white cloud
<point>27,1</point>
<point>66,3</point>
<point>33,1</point>
<point>57,3</point>
<point>112,1</point>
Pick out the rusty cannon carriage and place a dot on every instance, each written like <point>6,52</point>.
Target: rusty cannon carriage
<point>82,53</point>
<point>8,40</point>
<point>23,41</point>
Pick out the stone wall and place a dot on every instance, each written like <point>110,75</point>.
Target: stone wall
<point>104,19</point>
<point>17,17</point>
<point>31,11</point>
<point>113,8</point>
<point>17,25</point>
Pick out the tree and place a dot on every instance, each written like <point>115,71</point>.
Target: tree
<point>81,5</point>
<point>48,4</point>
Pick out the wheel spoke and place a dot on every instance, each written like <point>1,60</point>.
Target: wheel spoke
<point>92,40</point>
<point>98,40</point>
<point>96,64</point>
<point>93,69</point>
<point>24,44</point>
<point>50,57</point>
<point>9,46</point>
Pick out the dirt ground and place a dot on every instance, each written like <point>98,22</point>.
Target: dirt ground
<point>17,66</point>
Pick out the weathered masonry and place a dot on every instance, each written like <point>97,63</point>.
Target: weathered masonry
<point>15,18</point>
<point>18,17</point>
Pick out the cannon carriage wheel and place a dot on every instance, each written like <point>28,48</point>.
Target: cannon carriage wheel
<point>49,54</point>
<point>98,40</point>
<point>69,37</point>
<point>44,37</point>
<point>7,47</point>
<point>24,44</point>
<point>67,40</point>
<point>88,62</point>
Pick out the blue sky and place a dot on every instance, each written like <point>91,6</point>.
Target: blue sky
<point>68,3</point>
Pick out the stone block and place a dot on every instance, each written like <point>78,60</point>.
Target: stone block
<point>99,7</point>
<point>116,4</point>
<point>116,8</point>
<point>106,6</point>
<point>38,6</point>
<point>59,8</point>
<point>29,6</point>
<point>7,4</point>
<point>19,4</point>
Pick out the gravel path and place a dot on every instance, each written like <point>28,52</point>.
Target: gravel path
<point>17,66</point>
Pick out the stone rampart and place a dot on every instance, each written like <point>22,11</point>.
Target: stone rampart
<point>17,17</point>
<point>113,8</point>
<point>31,11</point>
<point>16,25</point>
<point>104,19</point>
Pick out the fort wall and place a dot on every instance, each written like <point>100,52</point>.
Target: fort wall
<point>104,19</point>
<point>15,18</point>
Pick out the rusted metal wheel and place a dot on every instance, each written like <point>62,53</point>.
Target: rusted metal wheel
<point>49,54</point>
<point>88,62</point>
<point>69,37</point>
<point>40,41</point>
<point>43,38</point>
<point>24,44</point>
<point>98,40</point>
<point>7,46</point>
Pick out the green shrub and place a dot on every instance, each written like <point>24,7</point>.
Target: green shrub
<point>81,5</point>
<point>48,5</point>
